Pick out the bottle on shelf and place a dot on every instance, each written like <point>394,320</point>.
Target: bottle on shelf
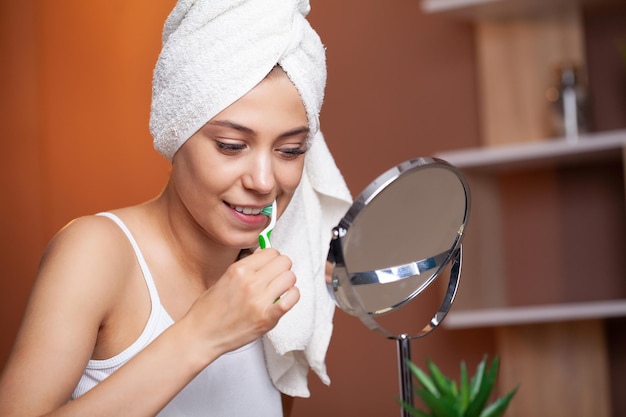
<point>568,103</point>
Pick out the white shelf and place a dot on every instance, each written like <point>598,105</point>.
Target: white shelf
<point>496,9</point>
<point>598,146</point>
<point>535,314</point>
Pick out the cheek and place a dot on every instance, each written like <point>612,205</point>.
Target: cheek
<point>288,179</point>
<point>289,176</point>
<point>196,176</point>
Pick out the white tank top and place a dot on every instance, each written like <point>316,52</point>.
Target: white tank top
<point>236,384</point>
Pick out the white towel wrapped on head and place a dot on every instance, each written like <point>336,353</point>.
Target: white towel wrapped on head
<point>213,53</point>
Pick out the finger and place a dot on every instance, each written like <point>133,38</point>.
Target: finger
<point>259,258</point>
<point>279,285</point>
<point>275,266</point>
<point>288,300</point>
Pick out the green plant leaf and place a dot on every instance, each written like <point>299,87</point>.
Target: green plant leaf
<point>446,387</point>
<point>442,397</point>
<point>464,390</point>
<point>477,379</point>
<point>484,390</point>
<point>423,379</point>
<point>438,406</point>
<point>410,408</point>
<point>498,407</point>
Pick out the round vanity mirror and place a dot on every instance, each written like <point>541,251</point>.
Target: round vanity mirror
<point>397,238</point>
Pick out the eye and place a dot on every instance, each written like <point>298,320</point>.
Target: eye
<point>293,152</point>
<point>230,148</point>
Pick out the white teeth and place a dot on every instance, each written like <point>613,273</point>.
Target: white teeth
<point>247,210</point>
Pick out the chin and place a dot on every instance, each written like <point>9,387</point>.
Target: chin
<point>243,244</point>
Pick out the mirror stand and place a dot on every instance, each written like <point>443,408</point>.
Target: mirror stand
<point>406,381</point>
<point>404,340</point>
<point>354,306</point>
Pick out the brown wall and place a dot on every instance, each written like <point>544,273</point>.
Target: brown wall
<point>74,110</point>
<point>75,100</point>
<point>400,84</point>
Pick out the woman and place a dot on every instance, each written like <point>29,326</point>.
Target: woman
<point>168,308</point>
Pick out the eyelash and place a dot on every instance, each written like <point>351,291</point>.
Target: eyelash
<point>230,147</point>
<point>293,153</point>
<point>234,148</point>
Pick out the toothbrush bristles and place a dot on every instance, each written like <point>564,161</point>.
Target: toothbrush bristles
<point>267,210</point>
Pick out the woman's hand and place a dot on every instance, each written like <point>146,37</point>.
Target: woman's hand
<point>246,302</point>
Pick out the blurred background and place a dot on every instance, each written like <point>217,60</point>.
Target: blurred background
<point>406,78</point>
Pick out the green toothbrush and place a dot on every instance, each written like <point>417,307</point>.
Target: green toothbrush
<point>264,237</point>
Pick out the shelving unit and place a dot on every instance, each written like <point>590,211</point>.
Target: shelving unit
<point>544,264</point>
<point>538,209</point>
<point>594,149</point>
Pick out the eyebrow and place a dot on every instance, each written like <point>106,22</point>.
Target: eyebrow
<point>247,130</point>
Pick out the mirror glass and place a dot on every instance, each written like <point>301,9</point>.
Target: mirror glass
<point>398,236</point>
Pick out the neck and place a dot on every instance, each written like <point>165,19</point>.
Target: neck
<point>194,251</point>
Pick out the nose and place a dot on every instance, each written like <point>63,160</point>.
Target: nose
<point>259,175</point>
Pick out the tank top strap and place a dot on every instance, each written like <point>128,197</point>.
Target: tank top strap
<point>154,295</point>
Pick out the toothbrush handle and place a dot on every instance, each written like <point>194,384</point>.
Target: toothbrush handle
<point>264,240</point>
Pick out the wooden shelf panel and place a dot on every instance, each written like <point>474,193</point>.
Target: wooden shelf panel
<point>497,9</point>
<point>598,146</point>
<point>535,314</point>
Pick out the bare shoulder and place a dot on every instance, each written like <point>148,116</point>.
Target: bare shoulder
<point>91,239</point>
<point>86,257</point>
<point>85,234</point>
<point>80,277</point>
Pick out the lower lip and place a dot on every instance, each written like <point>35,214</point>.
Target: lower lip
<point>252,220</point>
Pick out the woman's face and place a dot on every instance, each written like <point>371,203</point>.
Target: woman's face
<point>241,160</point>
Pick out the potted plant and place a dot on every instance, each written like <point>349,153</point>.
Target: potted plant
<point>469,398</point>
